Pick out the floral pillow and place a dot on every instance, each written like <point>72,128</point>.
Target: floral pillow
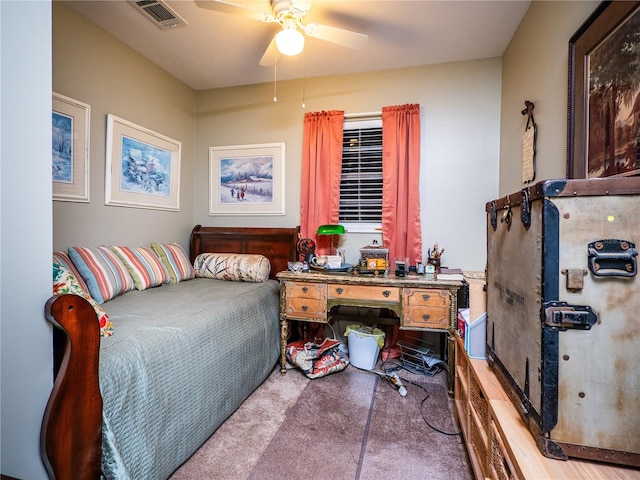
<point>235,267</point>
<point>65,282</point>
<point>63,259</point>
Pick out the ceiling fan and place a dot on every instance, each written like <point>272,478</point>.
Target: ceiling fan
<point>289,14</point>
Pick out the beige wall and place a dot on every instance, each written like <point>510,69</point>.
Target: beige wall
<point>460,105</point>
<point>460,117</point>
<point>92,67</point>
<point>471,129</point>
<point>535,68</point>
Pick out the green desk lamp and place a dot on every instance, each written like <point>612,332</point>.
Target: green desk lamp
<point>331,230</point>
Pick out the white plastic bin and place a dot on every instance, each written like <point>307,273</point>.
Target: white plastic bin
<point>475,337</point>
<point>364,345</point>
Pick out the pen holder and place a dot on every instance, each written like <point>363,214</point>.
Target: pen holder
<point>435,261</point>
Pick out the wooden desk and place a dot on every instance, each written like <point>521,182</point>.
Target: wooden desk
<point>420,305</point>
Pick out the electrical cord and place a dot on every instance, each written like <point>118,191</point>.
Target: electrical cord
<point>396,367</point>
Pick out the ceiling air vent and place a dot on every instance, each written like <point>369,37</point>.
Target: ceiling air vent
<point>159,13</point>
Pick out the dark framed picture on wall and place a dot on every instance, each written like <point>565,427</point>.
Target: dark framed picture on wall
<point>246,179</point>
<point>604,93</point>
<point>142,167</point>
<point>70,121</point>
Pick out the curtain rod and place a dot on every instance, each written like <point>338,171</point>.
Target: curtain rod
<point>350,116</point>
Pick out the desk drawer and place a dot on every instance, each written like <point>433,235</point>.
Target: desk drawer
<point>306,290</point>
<point>426,297</point>
<point>306,308</point>
<point>426,308</point>
<point>364,292</point>
<point>426,317</point>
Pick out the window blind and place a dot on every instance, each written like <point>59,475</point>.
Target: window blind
<point>361,181</point>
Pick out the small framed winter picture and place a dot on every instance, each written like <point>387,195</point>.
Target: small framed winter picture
<point>246,179</point>
<point>142,167</point>
<point>70,149</point>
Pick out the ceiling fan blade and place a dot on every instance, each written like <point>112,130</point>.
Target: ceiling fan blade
<point>232,8</point>
<point>271,55</point>
<point>339,36</point>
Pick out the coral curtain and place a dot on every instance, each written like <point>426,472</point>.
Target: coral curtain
<point>401,230</point>
<point>321,172</point>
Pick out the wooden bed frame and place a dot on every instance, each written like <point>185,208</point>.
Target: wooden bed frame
<point>71,435</point>
<point>277,244</point>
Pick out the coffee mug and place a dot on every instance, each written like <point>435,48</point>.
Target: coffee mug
<point>319,261</point>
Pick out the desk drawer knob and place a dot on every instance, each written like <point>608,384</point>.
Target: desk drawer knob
<point>339,290</point>
<point>426,297</point>
<point>305,289</point>
<point>426,317</point>
<point>386,293</point>
<point>304,308</point>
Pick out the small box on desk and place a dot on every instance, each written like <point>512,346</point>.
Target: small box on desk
<point>374,257</point>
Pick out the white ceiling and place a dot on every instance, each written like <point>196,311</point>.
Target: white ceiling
<point>219,49</point>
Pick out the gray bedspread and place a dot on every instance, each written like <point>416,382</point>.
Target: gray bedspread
<point>182,359</point>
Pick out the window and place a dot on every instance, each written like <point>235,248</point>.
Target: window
<point>361,181</point>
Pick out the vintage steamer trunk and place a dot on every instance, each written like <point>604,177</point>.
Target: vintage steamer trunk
<point>563,314</point>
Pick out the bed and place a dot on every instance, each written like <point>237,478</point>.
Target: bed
<point>183,358</point>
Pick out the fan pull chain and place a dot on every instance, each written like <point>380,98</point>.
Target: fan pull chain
<point>275,82</point>
<point>304,80</point>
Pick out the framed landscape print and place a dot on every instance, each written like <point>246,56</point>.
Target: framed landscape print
<point>70,121</point>
<point>246,179</point>
<point>142,167</point>
<point>604,93</point>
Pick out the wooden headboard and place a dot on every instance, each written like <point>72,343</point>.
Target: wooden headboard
<point>277,244</point>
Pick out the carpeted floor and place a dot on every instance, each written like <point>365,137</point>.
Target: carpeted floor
<point>349,425</point>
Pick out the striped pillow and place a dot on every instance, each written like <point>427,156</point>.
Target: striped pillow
<point>174,257</point>
<point>62,259</point>
<point>143,265</point>
<point>102,270</point>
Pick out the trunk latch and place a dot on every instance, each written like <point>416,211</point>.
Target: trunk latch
<point>562,316</point>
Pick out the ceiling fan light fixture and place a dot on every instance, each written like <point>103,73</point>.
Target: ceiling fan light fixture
<point>290,41</point>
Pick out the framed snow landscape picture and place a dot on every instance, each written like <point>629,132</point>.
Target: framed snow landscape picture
<point>70,149</point>
<point>246,179</point>
<point>142,167</point>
